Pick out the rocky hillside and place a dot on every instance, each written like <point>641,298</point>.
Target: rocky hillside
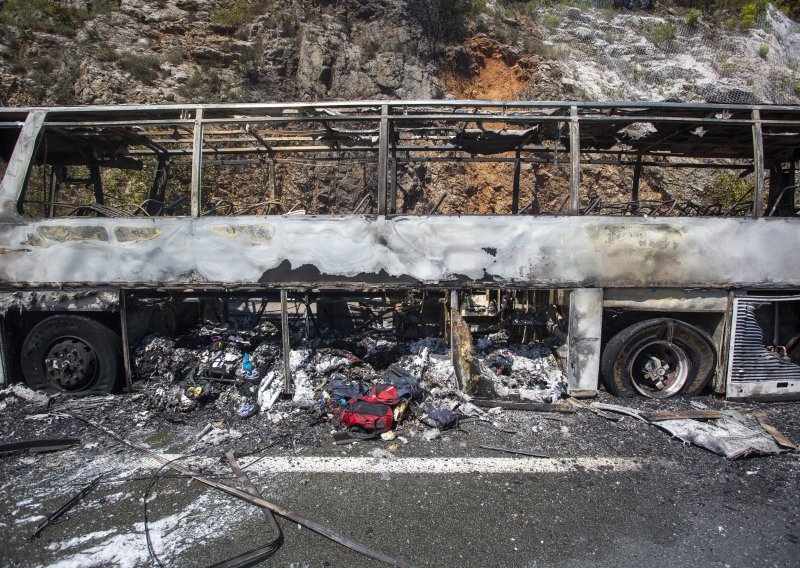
<point>115,51</point>
<point>157,51</point>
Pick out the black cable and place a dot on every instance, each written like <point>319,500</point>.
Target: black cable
<point>268,446</point>
<point>248,558</point>
<point>153,556</point>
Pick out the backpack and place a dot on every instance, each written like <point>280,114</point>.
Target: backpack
<point>365,418</point>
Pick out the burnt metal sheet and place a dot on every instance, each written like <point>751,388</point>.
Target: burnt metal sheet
<point>583,339</point>
<point>351,251</point>
<point>730,436</point>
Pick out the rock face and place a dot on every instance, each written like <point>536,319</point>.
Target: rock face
<point>230,50</point>
<point>629,56</point>
<point>186,50</point>
<point>145,51</point>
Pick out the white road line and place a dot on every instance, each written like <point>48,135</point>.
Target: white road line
<point>437,466</point>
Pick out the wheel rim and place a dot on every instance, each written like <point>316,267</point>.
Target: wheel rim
<point>659,369</point>
<point>71,364</point>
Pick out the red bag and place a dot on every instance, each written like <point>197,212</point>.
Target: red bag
<point>385,394</point>
<point>366,417</point>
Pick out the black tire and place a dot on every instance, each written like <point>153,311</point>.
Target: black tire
<point>658,358</point>
<point>73,355</point>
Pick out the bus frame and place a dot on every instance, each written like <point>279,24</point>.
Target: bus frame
<point>694,268</point>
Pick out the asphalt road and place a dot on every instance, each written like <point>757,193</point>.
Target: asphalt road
<point>613,494</point>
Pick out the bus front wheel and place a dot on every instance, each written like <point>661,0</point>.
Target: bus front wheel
<point>73,355</point>
<point>658,358</point>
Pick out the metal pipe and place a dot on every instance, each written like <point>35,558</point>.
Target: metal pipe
<point>383,159</point>
<point>403,106</point>
<point>515,184</point>
<point>197,163</point>
<point>438,204</point>
<point>453,312</point>
<point>126,355</point>
<point>286,350</point>
<point>574,160</point>
<point>758,164</point>
<point>778,201</point>
<point>361,203</point>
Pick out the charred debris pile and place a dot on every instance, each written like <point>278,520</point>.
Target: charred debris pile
<point>358,384</point>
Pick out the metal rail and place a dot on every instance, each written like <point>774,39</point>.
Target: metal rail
<point>753,136</point>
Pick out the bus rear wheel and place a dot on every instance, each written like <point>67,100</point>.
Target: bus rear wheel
<point>658,358</point>
<point>72,355</point>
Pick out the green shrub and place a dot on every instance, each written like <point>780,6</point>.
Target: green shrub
<point>106,54</point>
<point>735,10</point>
<point>551,21</point>
<point>42,15</point>
<point>728,69</point>
<point>727,190</point>
<point>145,68</point>
<point>46,64</point>
<point>751,12</point>
<point>104,7</point>
<point>50,16</point>
<point>285,22</point>
<point>444,21</point>
<point>205,85</point>
<point>692,19</point>
<point>763,51</point>
<point>663,32</point>
<point>238,13</point>
<point>175,56</point>
<point>517,9</point>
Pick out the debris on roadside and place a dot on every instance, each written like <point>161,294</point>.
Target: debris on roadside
<point>527,406</point>
<point>729,433</point>
<point>441,417</point>
<point>20,392</point>
<point>659,416</point>
<point>39,445</point>
<point>728,436</point>
<point>602,413</point>
<point>368,384</point>
<point>781,440</point>
<point>244,496</point>
<point>50,519</point>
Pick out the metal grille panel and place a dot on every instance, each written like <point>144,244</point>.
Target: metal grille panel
<point>751,359</point>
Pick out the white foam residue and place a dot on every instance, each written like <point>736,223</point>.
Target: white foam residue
<point>172,536</point>
<point>123,551</point>
<point>27,520</point>
<point>78,540</point>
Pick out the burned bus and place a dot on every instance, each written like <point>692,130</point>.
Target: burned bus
<point>657,241</point>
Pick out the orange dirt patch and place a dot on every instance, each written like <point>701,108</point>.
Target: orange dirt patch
<point>495,75</point>
<point>495,81</point>
<point>499,75</point>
